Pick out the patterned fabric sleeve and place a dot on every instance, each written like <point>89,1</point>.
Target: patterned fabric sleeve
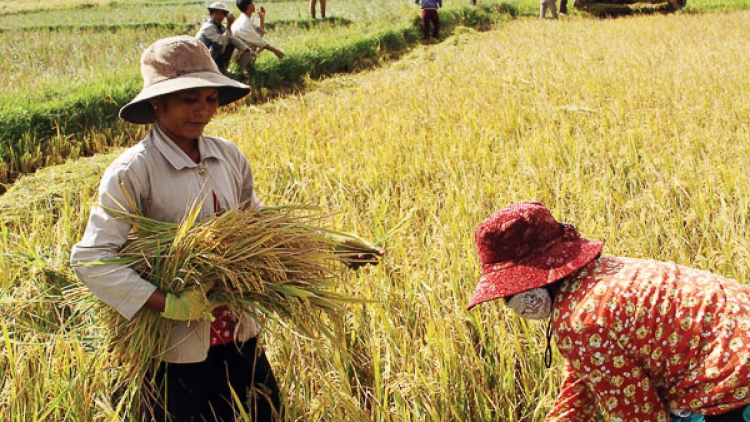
<point>576,403</point>
<point>647,336</point>
<point>619,384</point>
<point>622,387</point>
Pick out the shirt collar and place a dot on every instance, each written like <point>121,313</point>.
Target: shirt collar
<point>177,157</point>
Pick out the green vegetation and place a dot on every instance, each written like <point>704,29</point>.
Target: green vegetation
<point>53,97</point>
<point>701,6</point>
<point>636,130</point>
<point>57,95</point>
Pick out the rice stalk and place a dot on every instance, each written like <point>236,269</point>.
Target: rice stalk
<point>273,260</point>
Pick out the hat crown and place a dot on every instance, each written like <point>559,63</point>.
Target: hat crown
<point>218,6</point>
<point>516,233</point>
<point>173,57</point>
<point>177,64</point>
<point>522,247</point>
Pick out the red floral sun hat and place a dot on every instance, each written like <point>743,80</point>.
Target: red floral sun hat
<point>522,247</point>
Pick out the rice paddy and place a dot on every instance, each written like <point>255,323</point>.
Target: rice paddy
<point>636,130</point>
<point>98,39</point>
<point>58,96</point>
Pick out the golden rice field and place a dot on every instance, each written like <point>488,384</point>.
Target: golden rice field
<point>77,63</point>
<point>636,130</point>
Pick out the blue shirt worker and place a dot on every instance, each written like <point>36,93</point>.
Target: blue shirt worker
<point>430,15</point>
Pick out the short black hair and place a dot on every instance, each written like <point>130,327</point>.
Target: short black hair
<point>243,4</point>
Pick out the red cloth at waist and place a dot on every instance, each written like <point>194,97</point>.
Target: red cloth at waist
<point>223,326</point>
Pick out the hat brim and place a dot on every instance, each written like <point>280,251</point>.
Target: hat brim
<point>537,272</point>
<point>139,110</point>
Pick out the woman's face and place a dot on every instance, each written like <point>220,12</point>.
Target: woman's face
<point>184,114</point>
<point>532,304</point>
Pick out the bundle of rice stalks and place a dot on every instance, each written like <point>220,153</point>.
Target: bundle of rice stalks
<point>273,260</point>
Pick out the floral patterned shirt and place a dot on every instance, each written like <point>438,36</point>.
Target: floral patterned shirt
<point>641,337</point>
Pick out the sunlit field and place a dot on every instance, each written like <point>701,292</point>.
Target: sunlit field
<point>65,83</point>
<point>122,13</point>
<point>88,54</point>
<point>90,40</point>
<point>636,130</point>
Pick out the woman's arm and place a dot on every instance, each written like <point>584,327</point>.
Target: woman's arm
<point>117,285</point>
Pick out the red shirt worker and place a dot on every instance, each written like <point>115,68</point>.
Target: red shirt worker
<point>646,340</point>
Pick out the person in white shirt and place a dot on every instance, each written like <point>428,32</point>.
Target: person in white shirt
<point>218,38</point>
<point>251,33</point>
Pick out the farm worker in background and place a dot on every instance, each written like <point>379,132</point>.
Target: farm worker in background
<point>322,8</point>
<point>218,38</point>
<point>250,33</point>
<point>430,14</point>
<point>563,7</point>
<point>647,340</point>
<point>547,4</point>
<point>172,168</point>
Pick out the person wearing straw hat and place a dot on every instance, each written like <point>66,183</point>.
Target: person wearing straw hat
<point>219,39</point>
<point>646,340</point>
<point>172,168</point>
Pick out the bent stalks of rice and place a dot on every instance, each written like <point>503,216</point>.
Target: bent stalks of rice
<point>272,259</point>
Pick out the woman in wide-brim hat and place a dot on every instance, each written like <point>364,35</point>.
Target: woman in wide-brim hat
<point>647,340</point>
<point>172,168</point>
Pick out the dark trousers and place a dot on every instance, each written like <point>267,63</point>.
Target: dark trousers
<point>430,15</point>
<point>222,58</point>
<point>197,392</point>
<point>563,6</point>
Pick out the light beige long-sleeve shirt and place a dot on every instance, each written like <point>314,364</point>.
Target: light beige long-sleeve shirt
<point>164,182</point>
